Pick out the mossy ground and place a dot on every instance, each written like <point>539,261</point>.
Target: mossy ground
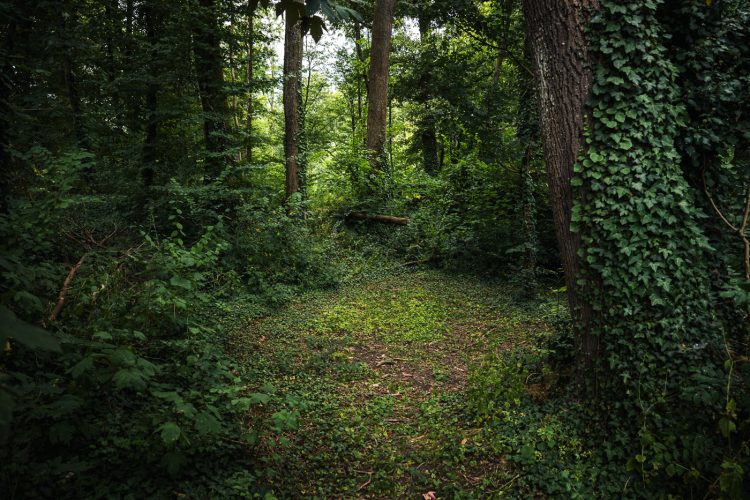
<point>371,385</point>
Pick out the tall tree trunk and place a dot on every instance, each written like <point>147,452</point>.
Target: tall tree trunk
<point>250,80</point>
<point>377,97</point>
<point>233,76</point>
<point>6,111</point>
<point>361,76</point>
<point>528,130</point>
<point>428,133</point>
<point>528,222</point>
<point>503,47</point>
<point>70,79</point>
<point>209,69</point>
<point>112,11</point>
<point>555,32</point>
<point>292,103</point>
<point>148,168</point>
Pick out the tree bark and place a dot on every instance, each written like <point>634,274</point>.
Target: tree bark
<point>209,69</point>
<point>503,47</point>
<point>148,168</point>
<point>361,77</point>
<point>250,80</point>
<point>377,97</point>
<point>71,81</point>
<point>292,102</point>
<point>555,32</point>
<point>233,77</point>
<point>6,111</point>
<point>428,133</point>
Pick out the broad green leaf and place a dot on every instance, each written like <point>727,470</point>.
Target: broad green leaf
<point>206,423</point>
<point>316,28</point>
<point>129,378</point>
<point>181,282</point>
<point>82,367</point>
<point>170,432</point>
<point>29,335</point>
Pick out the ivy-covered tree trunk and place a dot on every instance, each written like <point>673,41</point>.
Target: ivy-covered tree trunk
<point>293,123</point>
<point>640,290</point>
<point>209,70</point>
<point>377,96</point>
<point>555,34</point>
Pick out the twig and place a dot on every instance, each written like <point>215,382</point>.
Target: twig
<point>64,289</point>
<point>740,230</point>
<point>713,204</point>
<point>369,480</point>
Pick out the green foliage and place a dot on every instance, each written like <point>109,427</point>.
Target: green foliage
<point>497,383</point>
<point>660,361</point>
<point>133,392</point>
<point>402,316</point>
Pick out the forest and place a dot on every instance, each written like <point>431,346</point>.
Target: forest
<point>375,249</point>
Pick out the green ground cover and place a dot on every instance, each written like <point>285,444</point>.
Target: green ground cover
<point>391,388</point>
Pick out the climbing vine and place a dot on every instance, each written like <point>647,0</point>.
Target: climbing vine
<point>660,372</point>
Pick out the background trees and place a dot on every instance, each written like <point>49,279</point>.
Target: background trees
<point>149,153</point>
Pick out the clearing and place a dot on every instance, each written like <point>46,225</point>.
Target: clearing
<point>381,383</point>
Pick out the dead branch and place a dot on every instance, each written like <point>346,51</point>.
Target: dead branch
<point>64,289</point>
<point>741,229</point>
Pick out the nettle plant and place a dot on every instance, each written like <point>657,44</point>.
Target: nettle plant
<point>660,369</point>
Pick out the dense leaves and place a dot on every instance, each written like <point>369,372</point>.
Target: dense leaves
<point>148,253</point>
<point>662,348</point>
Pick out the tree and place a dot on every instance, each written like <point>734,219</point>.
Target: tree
<point>68,22</point>
<point>250,78</point>
<point>377,96</point>
<point>148,170</point>
<point>209,70</point>
<point>293,116</point>
<point>555,34</point>
<point>427,123</point>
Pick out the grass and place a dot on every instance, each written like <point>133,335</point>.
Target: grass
<point>376,388</point>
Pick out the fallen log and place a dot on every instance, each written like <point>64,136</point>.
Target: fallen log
<point>386,219</point>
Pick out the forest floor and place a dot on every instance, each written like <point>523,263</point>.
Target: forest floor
<point>379,384</point>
